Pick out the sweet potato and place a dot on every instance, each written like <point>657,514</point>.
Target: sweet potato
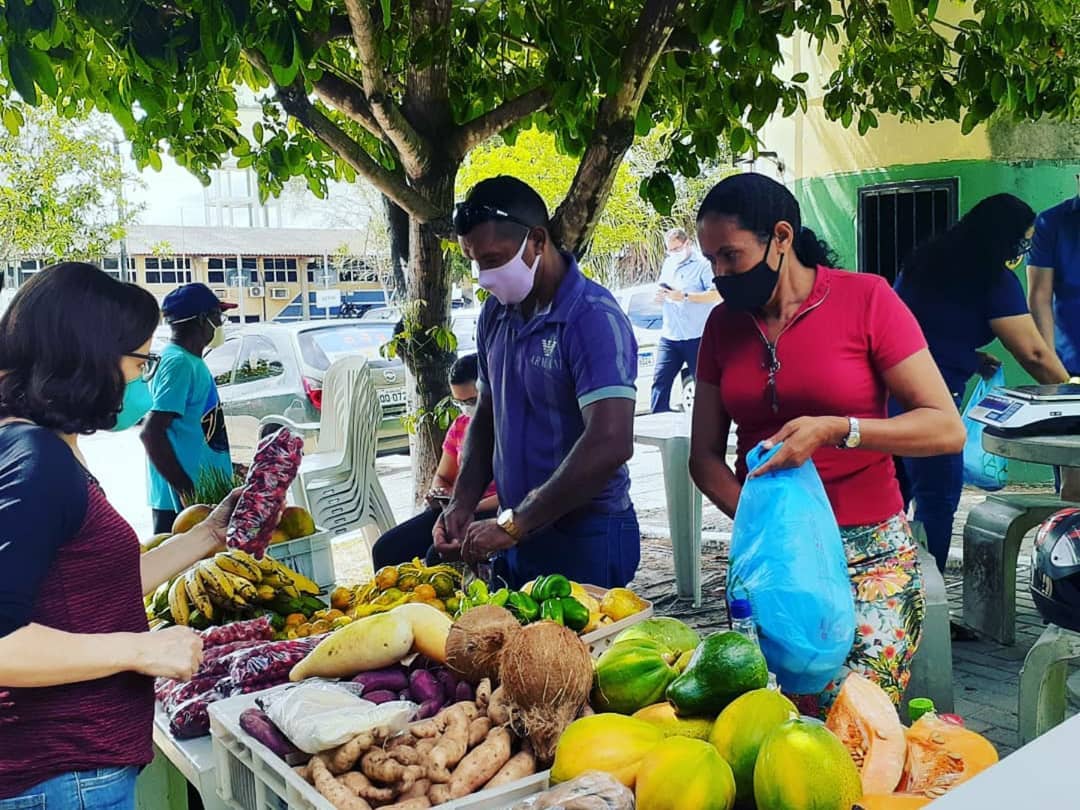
<point>258,725</point>
<point>342,758</point>
<point>380,766</point>
<point>439,794</point>
<point>434,726</point>
<point>498,709</point>
<point>481,764</point>
<point>419,803</point>
<point>362,787</point>
<point>451,747</point>
<point>334,791</point>
<point>519,766</point>
<point>483,695</point>
<point>478,730</point>
<point>419,790</point>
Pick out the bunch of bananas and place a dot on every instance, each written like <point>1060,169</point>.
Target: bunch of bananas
<point>408,582</point>
<point>230,585</point>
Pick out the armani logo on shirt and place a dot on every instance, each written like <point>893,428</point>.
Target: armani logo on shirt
<point>550,345</point>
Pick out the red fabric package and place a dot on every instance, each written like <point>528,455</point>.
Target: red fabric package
<point>276,462</point>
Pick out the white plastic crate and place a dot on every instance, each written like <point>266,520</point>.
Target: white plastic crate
<point>252,777</point>
<point>603,637</point>
<point>311,556</point>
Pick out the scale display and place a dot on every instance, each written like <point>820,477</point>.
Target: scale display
<point>1030,410</point>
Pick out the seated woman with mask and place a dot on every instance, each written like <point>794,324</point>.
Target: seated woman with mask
<point>413,537</point>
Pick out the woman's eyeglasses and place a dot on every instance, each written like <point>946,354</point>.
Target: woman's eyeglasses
<point>150,363</point>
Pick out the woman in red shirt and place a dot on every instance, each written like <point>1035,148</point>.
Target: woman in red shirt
<point>807,355</point>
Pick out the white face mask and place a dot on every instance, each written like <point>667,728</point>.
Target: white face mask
<point>468,410</point>
<point>512,282</point>
<point>218,339</point>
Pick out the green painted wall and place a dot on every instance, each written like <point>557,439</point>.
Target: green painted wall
<point>829,206</point>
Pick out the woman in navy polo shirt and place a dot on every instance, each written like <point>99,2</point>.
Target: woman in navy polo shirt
<point>964,292</point>
<point>76,661</point>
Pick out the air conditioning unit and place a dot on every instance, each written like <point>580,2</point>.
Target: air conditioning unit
<point>255,292</point>
<point>221,294</point>
<point>279,293</point>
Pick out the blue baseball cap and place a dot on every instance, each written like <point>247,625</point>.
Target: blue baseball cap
<point>191,300</point>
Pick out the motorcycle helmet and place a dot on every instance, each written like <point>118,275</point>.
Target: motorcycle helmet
<point>1055,569</point>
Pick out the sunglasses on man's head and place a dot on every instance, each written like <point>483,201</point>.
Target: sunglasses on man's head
<point>468,215</point>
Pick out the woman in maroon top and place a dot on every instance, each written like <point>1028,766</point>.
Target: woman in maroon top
<point>76,657</point>
<point>806,355</point>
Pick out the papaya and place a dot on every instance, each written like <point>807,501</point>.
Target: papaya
<point>631,675</point>
<point>742,727</point>
<point>892,801</point>
<point>865,720</point>
<point>684,774</point>
<point>612,743</point>
<point>664,630</point>
<point>724,666</point>
<point>941,755</point>
<point>803,766</point>
<point>662,715</point>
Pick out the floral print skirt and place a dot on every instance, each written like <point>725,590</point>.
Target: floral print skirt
<point>883,563</point>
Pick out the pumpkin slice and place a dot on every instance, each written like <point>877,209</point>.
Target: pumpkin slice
<point>942,755</point>
<point>865,720</point>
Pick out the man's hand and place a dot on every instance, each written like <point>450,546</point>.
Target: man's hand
<point>988,365</point>
<point>484,539</point>
<point>678,296</point>
<point>450,529</point>
<point>801,438</point>
<point>661,295</point>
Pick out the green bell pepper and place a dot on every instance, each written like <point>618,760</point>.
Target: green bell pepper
<point>500,597</point>
<point>552,587</point>
<point>478,592</point>
<point>524,607</point>
<point>552,610</point>
<point>575,614</point>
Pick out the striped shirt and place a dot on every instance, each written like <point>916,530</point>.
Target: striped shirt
<point>541,374</point>
<point>70,562</point>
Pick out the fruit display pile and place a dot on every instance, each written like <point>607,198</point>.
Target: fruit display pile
<point>436,585</point>
<point>295,523</point>
<point>232,586</point>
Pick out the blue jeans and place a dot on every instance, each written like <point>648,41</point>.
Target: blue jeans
<point>101,789</point>
<point>671,356</point>
<point>587,547</point>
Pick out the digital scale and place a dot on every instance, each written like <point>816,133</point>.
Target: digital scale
<point>1030,410</point>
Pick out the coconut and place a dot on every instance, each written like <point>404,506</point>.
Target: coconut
<point>476,640</point>
<point>547,674</point>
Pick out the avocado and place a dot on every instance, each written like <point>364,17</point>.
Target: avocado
<point>724,666</point>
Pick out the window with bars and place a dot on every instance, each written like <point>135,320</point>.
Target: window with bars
<point>168,269</point>
<point>216,267</point>
<point>896,218</point>
<point>280,271</point>
<point>111,265</point>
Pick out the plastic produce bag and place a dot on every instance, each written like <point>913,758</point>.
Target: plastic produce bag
<point>786,554</point>
<point>320,714</point>
<point>981,469</point>
<point>592,790</point>
<point>276,462</point>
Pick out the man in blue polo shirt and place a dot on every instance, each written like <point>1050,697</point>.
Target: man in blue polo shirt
<point>554,419</point>
<point>1054,294</point>
<point>688,296</point>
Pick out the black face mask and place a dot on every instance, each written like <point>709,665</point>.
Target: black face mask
<point>745,292</point>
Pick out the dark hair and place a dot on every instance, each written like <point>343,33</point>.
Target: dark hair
<point>757,203</point>
<point>513,196</point>
<point>975,248</point>
<point>466,369</point>
<point>61,340</point>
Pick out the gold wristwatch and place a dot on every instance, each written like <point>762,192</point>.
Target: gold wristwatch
<point>505,521</point>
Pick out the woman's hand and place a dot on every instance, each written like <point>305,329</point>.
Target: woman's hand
<point>218,521</point>
<point>175,652</point>
<point>802,438</point>
<point>437,497</point>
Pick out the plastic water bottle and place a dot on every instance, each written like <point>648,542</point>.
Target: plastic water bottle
<point>742,618</point>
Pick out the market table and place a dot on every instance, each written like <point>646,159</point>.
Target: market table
<point>1041,774</point>
<point>194,759</point>
<point>670,432</point>
<point>1057,451</point>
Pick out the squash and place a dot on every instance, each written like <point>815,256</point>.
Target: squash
<point>430,628</point>
<point>370,643</point>
<point>612,743</point>
<point>684,774</point>
<point>865,720</point>
<point>941,755</point>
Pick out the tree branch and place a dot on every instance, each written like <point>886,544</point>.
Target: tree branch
<point>577,215</point>
<point>339,28</point>
<point>496,120</point>
<point>295,102</point>
<point>347,98</point>
<point>412,148</point>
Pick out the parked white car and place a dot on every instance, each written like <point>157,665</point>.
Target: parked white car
<point>646,316</point>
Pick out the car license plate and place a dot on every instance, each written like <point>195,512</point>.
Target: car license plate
<point>392,396</point>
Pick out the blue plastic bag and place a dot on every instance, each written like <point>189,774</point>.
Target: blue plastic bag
<point>981,469</point>
<point>788,559</point>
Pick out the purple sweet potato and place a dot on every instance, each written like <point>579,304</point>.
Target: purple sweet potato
<point>392,679</point>
<point>380,696</point>
<point>447,679</point>
<point>258,725</point>
<point>424,687</point>
<point>429,708</point>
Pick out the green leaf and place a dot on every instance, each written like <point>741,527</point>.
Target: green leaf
<point>257,132</point>
<point>738,16</point>
<point>21,72</point>
<point>800,78</point>
<point>903,14</point>
<point>385,4</point>
<point>931,10</point>
<point>660,191</point>
<point>43,73</point>
<point>13,120</point>
<point>971,120</point>
<point>155,160</point>
<point>305,5</point>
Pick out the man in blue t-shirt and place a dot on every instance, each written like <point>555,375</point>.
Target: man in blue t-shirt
<point>688,296</point>
<point>184,434</point>
<point>1054,294</point>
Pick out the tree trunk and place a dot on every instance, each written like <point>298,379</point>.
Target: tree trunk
<point>429,282</point>
<point>398,222</point>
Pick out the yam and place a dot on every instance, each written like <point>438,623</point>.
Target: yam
<point>380,766</point>
<point>475,641</point>
<point>498,710</point>
<point>434,726</point>
<point>362,787</point>
<point>520,765</point>
<point>483,695</point>
<point>478,730</point>
<point>420,789</point>
<point>374,642</point>
<point>440,794</point>
<point>481,764</point>
<point>334,791</point>
<point>451,747</point>
<point>344,757</point>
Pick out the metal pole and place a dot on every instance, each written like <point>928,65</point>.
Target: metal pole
<point>240,279</point>
<point>326,283</point>
<point>124,273</point>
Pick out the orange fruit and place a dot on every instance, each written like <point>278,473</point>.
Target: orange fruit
<point>295,620</point>
<point>386,578</point>
<point>425,593</point>
<point>341,598</point>
<point>191,517</point>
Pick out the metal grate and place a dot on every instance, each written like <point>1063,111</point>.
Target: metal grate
<point>894,219</point>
